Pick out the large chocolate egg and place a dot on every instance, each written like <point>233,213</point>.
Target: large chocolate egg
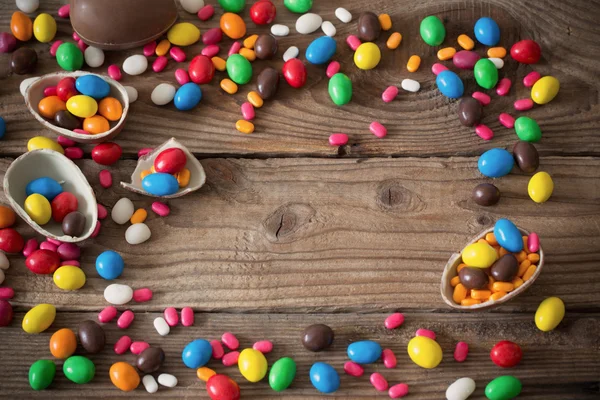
<point>121,24</point>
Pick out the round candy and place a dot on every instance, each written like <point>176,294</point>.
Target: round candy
<point>324,377</point>
<point>201,69</point>
<point>49,106</point>
<point>320,50</point>
<point>170,161</point>
<point>6,313</point>
<point>44,28</point>
<point>506,354</point>
<point>93,86</point>
<point>110,108</point>
<point>69,57</point>
<point>233,25</point>
<point>106,153</point>
<point>465,59</point>
<point>450,84</point>
<point>367,56</point>
<point>340,88</point>
<point>221,387</point>
<point>124,376</point>
<point>21,26</point>
<point>110,264</point>
<point>8,42</point>
<point>183,34</point>
<point>486,73</point>
<point>11,241</point>
<point>298,6</point>
<point>63,343</point>
<point>23,60</point>
<point>294,72</point>
<point>528,129</point>
<point>282,374</point>
<point>252,364</point>
<point>38,208</point>
<point>65,88</point>
<point>150,360</point>
<point>196,353</point>
<point>487,31</point>
<point>28,6</point>
<point>91,336</point>
<point>96,124</point>
<point>7,219</point>
<point>192,6</point>
<point>495,163</point>
<point>503,388</point>
<point>160,184</point>
<point>540,187</point>
<point>41,374</point>
<point>239,69</point>
<point>187,96</point>
<point>317,337</point>
<point>43,261</point>
<point>473,278</point>
<point>364,352</point>
<point>135,64</point>
<point>79,369</point>
<point>265,47</point>
<point>39,318</point>
<point>62,205</point>
<point>137,233</point>
<point>479,255</point>
<point>425,352</point>
<point>432,30</point>
<point>545,90</point>
<point>461,389</point>
<point>82,106</point>
<point>549,314</point>
<point>66,120</point>
<point>69,277</point>
<point>263,12</point>
<point>526,52</point>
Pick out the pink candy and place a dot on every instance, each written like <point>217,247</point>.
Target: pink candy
<point>107,314</point>
<point>523,104</point>
<point>144,151</point>
<point>125,320</point>
<point>377,129</point>
<point>137,347</point>
<point>461,351</point>
<point>142,295</point>
<point>96,230</point>
<point>106,179</point>
<point>426,333</point>
<point>177,54</point>
<point>102,212</point>
<point>503,87</point>
<point>163,210</point>
<point>353,42</point>
<point>394,321</point>
<point>76,37</point>
<point>149,49</point>
<point>531,78</point>
<point>533,242</point>
<point>507,120</point>
<point>6,293</point>
<point>398,391</point>
<point>333,68</point>
<point>248,111</point>
<point>230,341</point>
<point>212,36</point>
<point>389,94</point>
<point>74,153</point>
<point>187,314</point>
<point>114,72</point>
<point>206,12</point>
<point>81,131</point>
<point>159,64</point>
<point>230,359</point>
<point>30,247</point>
<point>171,316</point>
<point>181,76</point>
<point>338,139</point>
<point>54,47</point>
<point>54,241</point>
<point>68,251</point>
<point>217,349</point>
<point>484,132</point>
<point>73,263</point>
<point>234,49</point>
<point>64,11</point>
<point>65,141</point>
<point>483,98</point>
<point>122,345</point>
<point>50,91</point>
<point>264,346</point>
<point>437,68</point>
<point>378,382</point>
<point>82,46</point>
<point>48,246</point>
<point>353,369</point>
<point>389,358</point>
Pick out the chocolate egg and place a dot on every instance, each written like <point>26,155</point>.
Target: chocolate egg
<point>473,278</point>
<point>121,24</point>
<point>505,269</point>
<point>526,156</point>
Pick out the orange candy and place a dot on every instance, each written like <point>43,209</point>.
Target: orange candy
<point>533,257</point>
<point>386,22</point>
<point>145,173</point>
<point>523,268</point>
<point>394,41</point>
<point>63,343</point>
<point>455,281</point>
<point>517,282</point>
<point>96,124</point>
<point>460,293</point>
<point>250,41</point>
<point>244,126</point>
<point>529,273</point>
<point>219,63</point>
<point>466,42</point>
<point>21,26</point>
<point>49,106</point>
<point>446,53</point>
<point>503,287</point>
<point>110,108</point>
<point>248,54</point>
<point>480,294</point>
<point>491,239</point>
<point>496,52</point>
<point>163,47</point>
<point>233,25</point>
<point>521,256</point>
<point>413,63</point>
<point>497,296</point>
<point>183,177</point>
<point>7,217</point>
<point>469,302</point>
<point>255,99</point>
<point>139,216</point>
<point>205,373</point>
<point>124,376</point>
<point>460,266</point>
<point>229,86</point>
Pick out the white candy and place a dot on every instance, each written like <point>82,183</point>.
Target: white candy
<point>118,294</point>
<point>280,30</point>
<point>410,85</point>
<point>461,389</point>
<point>25,83</point>
<point>4,263</point>
<point>137,233</point>
<point>163,94</point>
<point>498,62</point>
<point>28,6</point>
<point>192,6</point>
<point>94,57</point>
<point>290,53</point>
<point>150,383</point>
<point>135,65</point>
<point>132,94</point>
<point>2,276</point>
<point>167,380</point>
<point>163,329</point>
<point>122,211</point>
<point>328,28</point>
<point>343,15</point>
<point>308,23</point>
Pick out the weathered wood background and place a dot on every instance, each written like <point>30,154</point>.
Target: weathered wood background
<point>289,231</point>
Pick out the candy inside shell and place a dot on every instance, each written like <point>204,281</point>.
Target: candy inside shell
<point>39,163</point>
<point>450,272</point>
<point>197,174</point>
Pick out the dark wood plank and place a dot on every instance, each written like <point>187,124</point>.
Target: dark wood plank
<point>298,122</point>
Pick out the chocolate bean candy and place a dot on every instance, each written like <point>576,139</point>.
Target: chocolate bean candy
<point>265,47</point>
<point>526,156</point>
<point>23,60</point>
<point>505,269</point>
<point>267,83</point>
<point>91,336</point>
<point>150,360</point>
<point>65,119</point>
<point>317,337</point>
<point>369,27</point>
<point>486,194</point>
<point>473,278</point>
<point>469,111</point>
<point>73,224</point>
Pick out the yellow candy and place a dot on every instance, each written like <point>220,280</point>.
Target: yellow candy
<point>38,208</point>
<point>367,56</point>
<point>41,142</point>
<point>39,318</point>
<point>44,28</point>
<point>479,255</point>
<point>82,106</point>
<point>252,364</point>
<point>540,187</point>
<point>219,63</point>
<point>549,314</point>
<point>545,90</point>
<point>425,352</point>
<point>183,34</point>
<point>69,277</point>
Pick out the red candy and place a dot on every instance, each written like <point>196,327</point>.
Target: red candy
<point>230,359</point>
<point>507,120</point>
<point>461,351</point>
<point>63,204</point>
<point>114,72</point>
<point>171,316</point>
<point>264,346</point>
<point>54,47</point>
<point>65,89</point>
<point>107,314</point>
<point>378,382</point>
<point>425,332</point>
<point>484,132</point>
<point>506,354</point>
<point>105,178</point>
<point>503,87</point>
<point>338,139</point>
<point>122,345</point>
<point>181,76</point>
<point>187,314</point>
<point>394,321</point>
<point>43,262</point>
<point>294,73</point>
<point>212,36</point>
<point>389,94</point>
<point>234,49</point>
<point>389,358</point>
<point>531,78</point>
<point>523,104</point>
<point>106,153</point>
<point>144,151</point>
<point>125,320</point>
<point>353,369</point>
<point>230,341</point>
<point>398,391</point>
<point>64,11</point>
<point>74,153</point>
<point>201,70</point>
<point>483,98</point>
<point>211,50</point>
<point>65,141</point>
<point>332,69</point>
<point>142,295</point>
<point>96,230</point>
<point>217,349</point>
<point>206,12</point>
<point>160,63</point>
<point>149,49</point>
<point>263,12</point>
<point>6,293</point>
<point>177,54</point>
<point>170,161</point>
<point>47,245</point>
<point>526,52</point>
<point>102,211</point>
<point>30,247</point>
<point>138,347</point>
<point>6,313</point>
<point>221,387</point>
<point>50,91</point>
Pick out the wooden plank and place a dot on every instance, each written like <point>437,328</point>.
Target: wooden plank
<point>559,365</point>
<point>298,122</point>
<point>317,234</point>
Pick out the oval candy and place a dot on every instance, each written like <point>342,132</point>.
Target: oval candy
<point>424,352</point>
<point>79,369</point>
<point>495,163</point>
<point>540,187</point>
<point>69,277</point>
<point>39,318</point>
<point>320,50</point>
<point>196,353</point>
<point>549,314</point>
<point>282,374</point>
<point>364,352</point>
<point>503,388</point>
<point>487,31</point>
<point>252,364</point>
<point>160,184</point>
<point>340,89</point>
<point>41,374</point>
<point>324,377</point>
<point>450,84</point>
<point>432,30</point>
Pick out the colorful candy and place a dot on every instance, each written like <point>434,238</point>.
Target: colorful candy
<point>495,163</point>
<point>39,318</point>
<point>282,374</point>
<point>324,377</point>
<point>432,30</point>
<point>340,89</point>
<point>124,376</point>
<point>364,352</point>
<point>526,52</point>
<point>424,352</point>
<point>252,364</point>
<point>506,354</point>
<point>449,84</point>
<point>41,374</point>
<point>503,388</point>
<point>196,353</point>
<point>460,389</point>
<point>540,187</point>
<point>487,31</point>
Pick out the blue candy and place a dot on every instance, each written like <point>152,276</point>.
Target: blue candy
<point>365,352</point>
<point>450,84</point>
<point>93,86</point>
<point>2,127</point>
<point>109,265</point>
<point>495,163</point>
<point>487,31</point>
<point>320,50</point>
<point>324,377</point>
<point>47,187</point>
<point>196,353</point>
<point>508,235</point>
<point>188,96</point>
<point>160,184</point>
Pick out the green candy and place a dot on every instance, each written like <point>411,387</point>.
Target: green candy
<point>234,6</point>
<point>528,130</point>
<point>239,69</point>
<point>69,57</point>
<point>432,30</point>
<point>340,89</point>
<point>41,374</point>
<point>486,73</point>
<point>503,388</point>
<point>79,369</point>
<point>282,374</point>
<point>298,6</point>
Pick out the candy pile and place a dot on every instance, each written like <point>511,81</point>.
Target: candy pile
<point>167,174</point>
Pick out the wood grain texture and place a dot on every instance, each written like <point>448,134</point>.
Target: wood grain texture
<point>345,235</point>
<point>298,122</point>
<point>560,365</point>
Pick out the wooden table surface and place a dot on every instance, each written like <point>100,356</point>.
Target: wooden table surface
<point>289,231</point>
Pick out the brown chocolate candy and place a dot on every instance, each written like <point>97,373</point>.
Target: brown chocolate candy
<point>73,224</point>
<point>265,47</point>
<point>150,359</point>
<point>505,269</point>
<point>526,156</point>
<point>91,336</point>
<point>66,120</point>
<point>23,60</point>
<point>369,27</point>
<point>486,194</point>
<point>469,111</point>
<point>267,83</point>
<point>473,278</point>
<point>317,337</point>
